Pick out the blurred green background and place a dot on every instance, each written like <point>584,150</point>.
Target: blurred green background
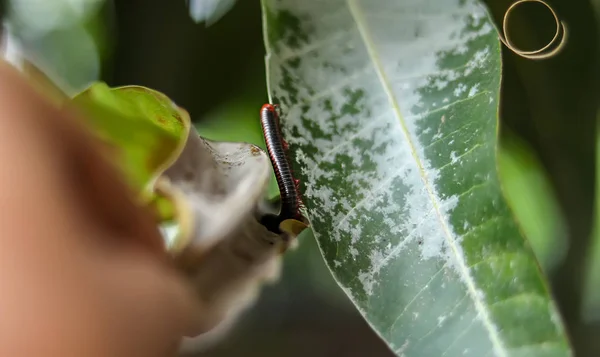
<point>546,159</point>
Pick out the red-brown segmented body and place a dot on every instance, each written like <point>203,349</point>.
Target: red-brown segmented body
<point>277,149</point>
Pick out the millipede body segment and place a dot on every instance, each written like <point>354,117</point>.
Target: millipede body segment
<point>277,149</point>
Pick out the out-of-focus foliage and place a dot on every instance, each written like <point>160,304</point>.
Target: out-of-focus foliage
<point>66,38</point>
<point>530,195</point>
<point>209,11</point>
<point>591,303</point>
<point>590,311</point>
<point>552,105</point>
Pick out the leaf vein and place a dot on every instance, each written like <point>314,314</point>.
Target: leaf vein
<point>523,298</point>
<point>473,188</point>
<point>402,244</point>
<point>370,195</point>
<point>334,87</point>
<point>449,135</point>
<point>437,326</point>
<point>460,335</point>
<point>481,225</point>
<point>449,105</point>
<point>461,263</point>
<point>489,259</point>
<point>415,298</point>
<point>343,143</point>
<point>456,159</point>
<point>295,53</point>
<point>541,345</point>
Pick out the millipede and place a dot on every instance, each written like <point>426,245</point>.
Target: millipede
<point>288,186</point>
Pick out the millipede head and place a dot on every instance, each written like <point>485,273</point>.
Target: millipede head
<point>269,107</point>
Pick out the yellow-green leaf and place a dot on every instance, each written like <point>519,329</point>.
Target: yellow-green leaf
<point>144,128</point>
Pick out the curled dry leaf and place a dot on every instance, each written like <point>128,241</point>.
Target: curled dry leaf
<point>226,253</point>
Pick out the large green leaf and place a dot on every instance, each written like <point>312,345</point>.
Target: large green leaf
<point>391,111</point>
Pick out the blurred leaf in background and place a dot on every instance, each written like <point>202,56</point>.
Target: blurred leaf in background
<point>551,105</point>
<point>209,11</point>
<point>591,303</point>
<point>590,310</point>
<point>65,38</point>
<point>530,195</point>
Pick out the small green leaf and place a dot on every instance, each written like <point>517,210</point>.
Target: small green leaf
<point>391,112</point>
<point>144,128</point>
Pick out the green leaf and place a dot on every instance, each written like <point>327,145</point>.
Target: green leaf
<point>391,112</point>
<point>144,130</point>
<point>144,127</point>
<point>529,193</point>
<point>591,296</point>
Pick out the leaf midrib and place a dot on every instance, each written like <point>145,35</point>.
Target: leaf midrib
<point>356,13</point>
